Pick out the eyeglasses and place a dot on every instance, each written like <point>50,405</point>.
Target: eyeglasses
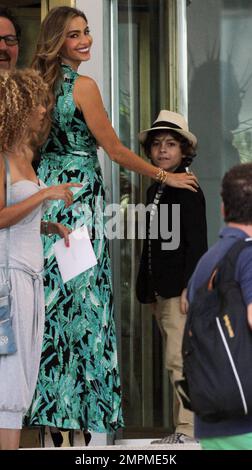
<point>9,40</point>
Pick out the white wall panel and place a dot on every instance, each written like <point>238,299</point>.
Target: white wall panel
<point>93,10</point>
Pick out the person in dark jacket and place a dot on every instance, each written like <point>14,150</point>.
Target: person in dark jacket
<point>176,237</point>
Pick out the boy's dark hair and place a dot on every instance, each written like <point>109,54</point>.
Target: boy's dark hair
<point>187,149</point>
<point>6,13</point>
<point>236,192</point>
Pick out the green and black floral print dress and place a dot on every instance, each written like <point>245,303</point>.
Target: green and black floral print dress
<point>78,385</point>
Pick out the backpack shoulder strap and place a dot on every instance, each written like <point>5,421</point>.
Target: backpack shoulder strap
<point>226,267</point>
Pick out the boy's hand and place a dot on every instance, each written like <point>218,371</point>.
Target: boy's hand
<point>184,305</point>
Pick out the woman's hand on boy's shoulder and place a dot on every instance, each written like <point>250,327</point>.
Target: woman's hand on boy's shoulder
<point>182,180</point>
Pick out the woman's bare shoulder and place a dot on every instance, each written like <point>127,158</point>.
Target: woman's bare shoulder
<point>86,91</point>
<point>86,83</point>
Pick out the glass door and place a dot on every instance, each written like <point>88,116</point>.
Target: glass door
<point>146,35</point>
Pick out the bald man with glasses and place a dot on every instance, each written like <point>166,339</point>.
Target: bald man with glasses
<point>10,33</point>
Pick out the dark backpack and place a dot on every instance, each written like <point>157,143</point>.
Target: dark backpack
<point>217,346</point>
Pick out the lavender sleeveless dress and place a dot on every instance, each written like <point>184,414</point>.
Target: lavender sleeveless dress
<point>19,372</point>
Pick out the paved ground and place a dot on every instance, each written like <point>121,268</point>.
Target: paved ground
<point>147,447</point>
<point>31,440</point>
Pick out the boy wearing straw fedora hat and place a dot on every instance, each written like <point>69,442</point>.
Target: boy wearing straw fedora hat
<point>167,263</point>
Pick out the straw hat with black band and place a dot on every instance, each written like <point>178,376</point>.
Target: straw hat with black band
<point>169,120</point>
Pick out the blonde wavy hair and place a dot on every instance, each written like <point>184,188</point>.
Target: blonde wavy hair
<point>21,91</point>
<point>53,32</point>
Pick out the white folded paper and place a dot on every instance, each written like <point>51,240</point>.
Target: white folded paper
<point>76,258</point>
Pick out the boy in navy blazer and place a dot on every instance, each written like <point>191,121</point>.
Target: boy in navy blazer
<point>176,237</point>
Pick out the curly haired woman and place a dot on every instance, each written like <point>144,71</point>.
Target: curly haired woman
<point>22,111</point>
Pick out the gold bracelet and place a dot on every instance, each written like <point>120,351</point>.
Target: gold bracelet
<point>158,174</point>
<point>164,180</point>
<point>161,175</point>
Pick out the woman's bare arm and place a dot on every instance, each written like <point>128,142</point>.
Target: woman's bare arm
<point>13,214</point>
<point>88,99</point>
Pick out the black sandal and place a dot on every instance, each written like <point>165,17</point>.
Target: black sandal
<point>57,438</point>
<point>87,437</point>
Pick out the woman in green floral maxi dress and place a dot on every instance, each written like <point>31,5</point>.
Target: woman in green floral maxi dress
<point>78,384</point>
